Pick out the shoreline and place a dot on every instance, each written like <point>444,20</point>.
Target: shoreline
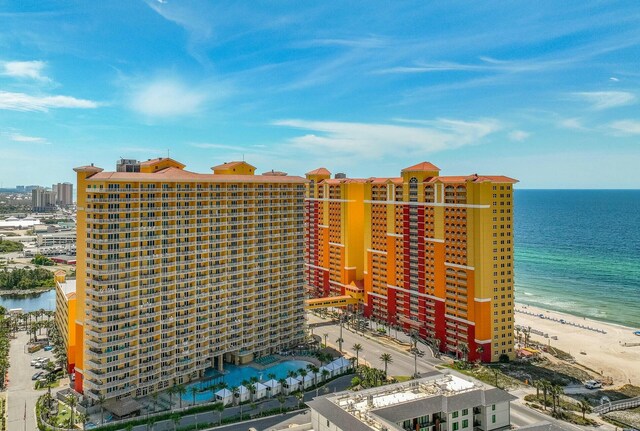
<point>601,348</point>
<point>24,292</point>
<point>577,314</point>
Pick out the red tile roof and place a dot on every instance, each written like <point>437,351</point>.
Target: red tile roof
<point>319,171</point>
<point>420,167</point>
<point>88,168</point>
<point>229,165</point>
<point>151,162</point>
<point>378,180</point>
<point>175,174</point>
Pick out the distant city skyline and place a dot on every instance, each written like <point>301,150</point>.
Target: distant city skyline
<point>546,92</point>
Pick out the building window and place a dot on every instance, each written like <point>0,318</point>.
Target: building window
<point>465,412</point>
<point>328,423</point>
<point>493,407</point>
<point>493,419</point>
<point>455,426</point>
<point>454,415</point>
<point>465,423</point>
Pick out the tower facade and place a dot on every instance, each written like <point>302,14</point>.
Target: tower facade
<point>428,253</point>
<point>178,272</point>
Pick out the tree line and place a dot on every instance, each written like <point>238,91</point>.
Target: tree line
<point>26,278</point>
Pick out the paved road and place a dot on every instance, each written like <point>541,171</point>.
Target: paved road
<point>373,347</point>
<point>20,391</point>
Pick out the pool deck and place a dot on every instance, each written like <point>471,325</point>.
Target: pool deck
<point>282,358</point>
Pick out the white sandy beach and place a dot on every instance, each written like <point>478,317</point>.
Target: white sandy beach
<point>604,353</point>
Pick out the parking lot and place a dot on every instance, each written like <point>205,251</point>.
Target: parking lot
<point>20,393</point>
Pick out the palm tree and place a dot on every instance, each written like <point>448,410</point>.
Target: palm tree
<point>83,419</point>
<point>303,373</point>
<point>282,382</point>
<point>72,401</point>
<point>325,373</point>
<point>386,360</point>
<point>172,390</point>
<point>585,407</point>
<point>300,397</point>
<point>101,401</point>
<point>339,341</point>
<point>282,399</point>
<point>357,348</point>
<point>546,386</point>
<point>253,391</point>
<point>219,408</point>
<point>325,335</point>
<point>194,392</point>
<point>313,369</point>
<point>150,424</point>
<point>271,376</point>
<point>176,420</point>
<point>556,391</point>
<point>537,384</point>
<point>463,349</point>
<point>154,397</point>
<point>479,351</point>
<point>181,390</point>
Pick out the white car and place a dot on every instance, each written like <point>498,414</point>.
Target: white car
<point>592,384</point>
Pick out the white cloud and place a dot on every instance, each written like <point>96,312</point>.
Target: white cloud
<point>381,140</point>
<point>167,98</point>
<point>17,137</point>
<point>600,100</point>
<point>518,135</point>
<point>626,127</point>
<point>25,69</point>
<point>614,79</point>
<point>207,145</point>
<point>571,123</point>
<point>25,102</point>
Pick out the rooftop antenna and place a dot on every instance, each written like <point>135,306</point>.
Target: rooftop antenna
<point>243,157</point>
<point>168,156</point>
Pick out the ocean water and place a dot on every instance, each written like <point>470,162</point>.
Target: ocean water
<point>578,251</point>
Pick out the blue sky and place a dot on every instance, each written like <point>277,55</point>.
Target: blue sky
<point>547,91</point>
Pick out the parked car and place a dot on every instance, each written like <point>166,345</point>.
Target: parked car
<point>38,365</point>
<point>592,384</point>
<point>34,362</point>
<point>37,375</point>
<point>47,348</point>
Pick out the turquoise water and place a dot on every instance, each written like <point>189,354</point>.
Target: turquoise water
<point>578,251</point>
<point>234,376</point>
<point>46,300</point>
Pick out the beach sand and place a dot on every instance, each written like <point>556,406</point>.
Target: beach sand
<point>605,353</point>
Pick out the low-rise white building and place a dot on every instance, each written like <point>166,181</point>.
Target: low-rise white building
<point>273,387</point>
<point>438,402</point>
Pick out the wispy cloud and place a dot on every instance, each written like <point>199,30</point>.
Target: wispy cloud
<point>24,69</point>
<point>25,102</point>
<point>518,135</point>
<point>571,123</point>
<point>600,100</point>
<point>626,127</point>
<point>486,64</point>
<point>168,98</point>
<point>207,145</point>
<point>374,140</point>
<point>17,137</point>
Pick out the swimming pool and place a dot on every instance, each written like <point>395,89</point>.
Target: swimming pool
<point>234,375</point>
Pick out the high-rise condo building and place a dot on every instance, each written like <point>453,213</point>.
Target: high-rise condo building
<point>431,254</point>
<point>180,271</point>
<point>43,200</point>
<point>64,194</point>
